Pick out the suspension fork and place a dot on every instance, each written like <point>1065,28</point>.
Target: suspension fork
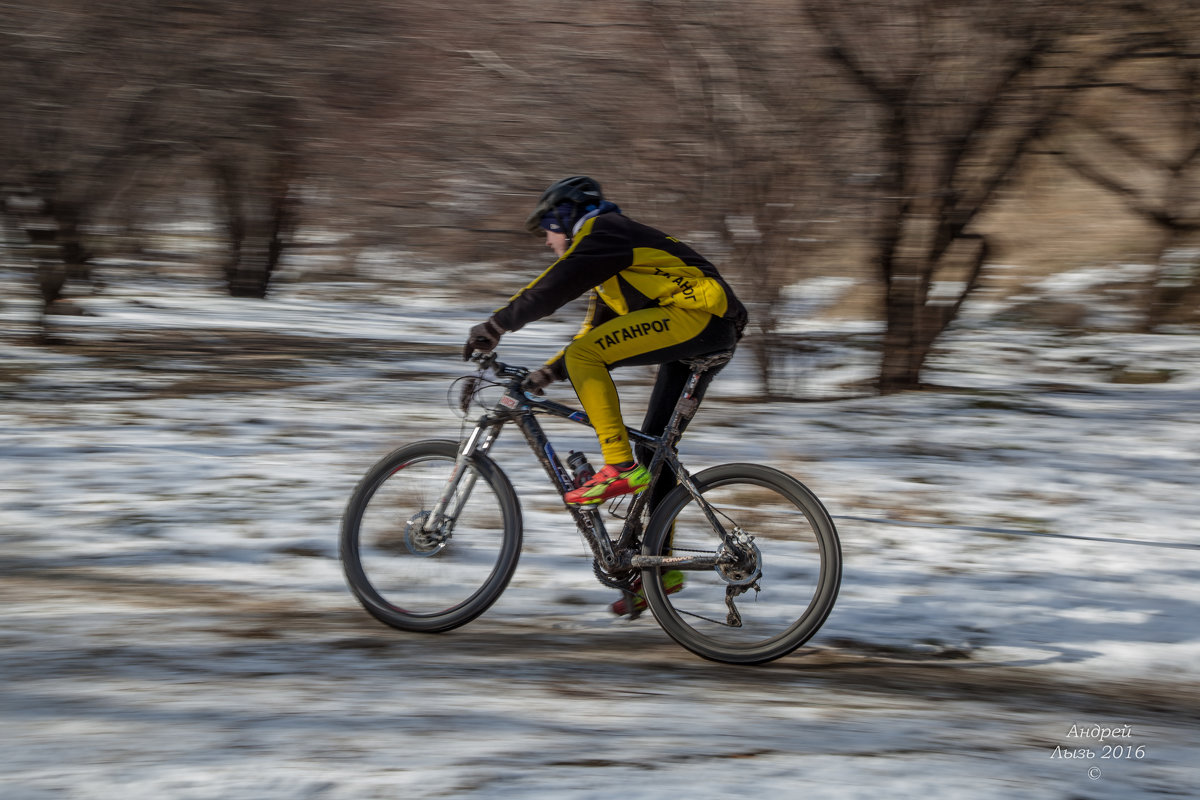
<point>478,442</point>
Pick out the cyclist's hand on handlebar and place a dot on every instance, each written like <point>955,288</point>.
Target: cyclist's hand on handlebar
<point>537,381</point>
<point>483,338</point>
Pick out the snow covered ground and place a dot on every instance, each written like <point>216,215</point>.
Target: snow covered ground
<point>1018,615</point>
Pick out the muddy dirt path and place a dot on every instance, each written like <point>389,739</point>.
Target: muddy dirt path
<point>174,622</point>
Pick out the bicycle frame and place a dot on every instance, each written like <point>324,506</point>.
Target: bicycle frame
<point>456,497</point>
<point>615,557</point>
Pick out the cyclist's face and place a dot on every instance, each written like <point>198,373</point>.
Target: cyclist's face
<point>556,242</point>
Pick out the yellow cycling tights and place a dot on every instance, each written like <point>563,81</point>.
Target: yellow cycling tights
<point>648,336</point>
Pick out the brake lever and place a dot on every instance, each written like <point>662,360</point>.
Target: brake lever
<point>484,360</point>
<point>470,386</point>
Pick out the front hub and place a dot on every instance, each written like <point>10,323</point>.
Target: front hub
<point>421,542</point>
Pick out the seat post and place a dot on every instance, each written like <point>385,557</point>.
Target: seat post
<point>688,403</point>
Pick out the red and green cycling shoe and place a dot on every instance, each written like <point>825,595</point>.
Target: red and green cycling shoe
<point>610,481</point>
<point>672,581</point>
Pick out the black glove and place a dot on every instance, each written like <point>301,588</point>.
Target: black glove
<point>537,381</point>
<point>483,338</point>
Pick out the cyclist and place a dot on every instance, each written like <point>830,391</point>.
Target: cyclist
<point>654,300</point>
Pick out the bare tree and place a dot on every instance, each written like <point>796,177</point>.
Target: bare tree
<point>431,125</point>
<point>62,132</point>
<point>764,137</point>
<point>1150,74</point>
<point>961,90</point>
<point>95,91</point>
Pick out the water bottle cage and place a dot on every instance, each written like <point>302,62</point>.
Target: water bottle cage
<point>581,470</point>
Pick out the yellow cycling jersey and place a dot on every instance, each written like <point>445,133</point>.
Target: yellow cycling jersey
<point>631,266</point>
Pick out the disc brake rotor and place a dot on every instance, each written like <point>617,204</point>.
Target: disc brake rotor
<point>741,566</point>
<point>421,542</point>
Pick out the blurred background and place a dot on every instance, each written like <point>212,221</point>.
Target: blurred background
<point>906,148</point>
<point>241,244</point>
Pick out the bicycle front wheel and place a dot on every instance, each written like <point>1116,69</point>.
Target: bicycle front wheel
<point>772,592</point>
<point>417,577</point>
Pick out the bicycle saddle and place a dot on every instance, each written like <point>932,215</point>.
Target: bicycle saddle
<point>707,361</point>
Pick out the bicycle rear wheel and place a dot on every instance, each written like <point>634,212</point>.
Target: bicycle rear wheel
<point>782,586</point>
<point>430,581</point>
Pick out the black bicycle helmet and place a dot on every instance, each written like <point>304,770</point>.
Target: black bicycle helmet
<point>580,190</point>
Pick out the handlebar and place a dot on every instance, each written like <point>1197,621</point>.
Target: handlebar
<point>515,376</point>
<point>489,361</point>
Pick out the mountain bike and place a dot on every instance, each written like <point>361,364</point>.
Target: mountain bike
<point>432,533</point>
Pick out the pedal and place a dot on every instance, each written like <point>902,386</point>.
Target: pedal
<point>631,603</point>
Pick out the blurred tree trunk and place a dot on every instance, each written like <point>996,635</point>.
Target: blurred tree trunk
<point>255,191</point>
<point>52,227</point>
<point>1173,297</point>
<point>90,92</point>
<point>963,89</point>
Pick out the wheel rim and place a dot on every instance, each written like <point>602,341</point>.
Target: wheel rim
<point>422,573</point>
<point>780,590</point>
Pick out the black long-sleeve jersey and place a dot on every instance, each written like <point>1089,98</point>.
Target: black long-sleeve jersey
<point>630,266</point>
